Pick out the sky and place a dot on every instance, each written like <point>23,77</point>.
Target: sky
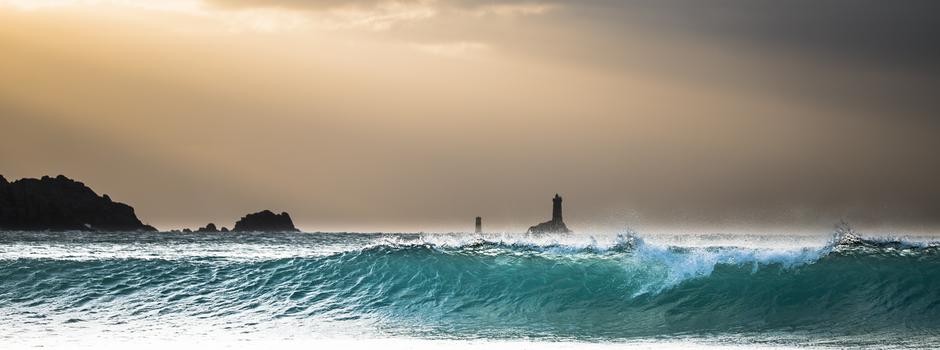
<point>418,115</point>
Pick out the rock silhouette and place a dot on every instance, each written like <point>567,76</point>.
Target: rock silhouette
<point>265,221</point>
<point>556,224</point>
<point>209,228</point>
<point>62,204</point>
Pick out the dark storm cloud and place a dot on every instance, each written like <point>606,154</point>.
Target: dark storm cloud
<point>902,34</point>
<point>879,56</point>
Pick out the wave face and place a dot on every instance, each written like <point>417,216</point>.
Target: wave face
<point>452,286</point>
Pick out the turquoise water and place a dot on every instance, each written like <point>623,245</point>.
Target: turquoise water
<point>841,291</point>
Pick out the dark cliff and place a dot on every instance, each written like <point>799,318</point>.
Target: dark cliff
<point>62,204</point>
<point>265,221</point>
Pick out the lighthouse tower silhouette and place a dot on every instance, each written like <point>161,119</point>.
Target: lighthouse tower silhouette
<point>556,208</point>
<point>556,224</point>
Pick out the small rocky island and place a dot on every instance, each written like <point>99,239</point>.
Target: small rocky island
<point>556,224</point>
<point>265,221</point>
<point>62,204</point>
<point>210,228</point>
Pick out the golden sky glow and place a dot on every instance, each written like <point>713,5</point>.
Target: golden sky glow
<point>419,115</point>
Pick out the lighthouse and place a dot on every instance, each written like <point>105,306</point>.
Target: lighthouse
<point>479,226</point>
<point>556,224</point>
<point>556,208</point>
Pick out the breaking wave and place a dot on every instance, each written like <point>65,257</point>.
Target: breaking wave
<point>474,287</point>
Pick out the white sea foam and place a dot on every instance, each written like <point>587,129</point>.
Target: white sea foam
<point>166,251</point>
<point>686,250</point>
<point>667,266</point>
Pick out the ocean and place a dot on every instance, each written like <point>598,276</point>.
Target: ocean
<point>340,290</point>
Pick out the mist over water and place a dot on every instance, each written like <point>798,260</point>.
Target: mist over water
<point>837,290</point>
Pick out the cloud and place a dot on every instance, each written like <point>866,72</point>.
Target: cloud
<point>508,7</point>
<point>383,14</point>
<point>378,18</point>
<point>850,29</point>
<point>455,49</point>
<point>318,5</point>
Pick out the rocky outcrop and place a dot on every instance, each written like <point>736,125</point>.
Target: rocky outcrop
<point>265,221</point>
<point>62,204</point>
<point>209,228</point>
<point>550,227</point>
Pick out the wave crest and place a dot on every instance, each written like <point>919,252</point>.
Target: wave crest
<point>495,286</point>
